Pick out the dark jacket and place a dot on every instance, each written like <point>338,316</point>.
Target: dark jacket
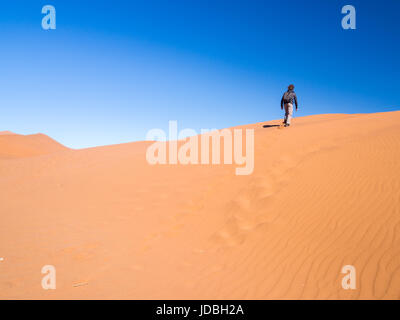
<point>288,97</point>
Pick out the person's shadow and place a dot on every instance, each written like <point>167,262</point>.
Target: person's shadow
<point>270,125</point>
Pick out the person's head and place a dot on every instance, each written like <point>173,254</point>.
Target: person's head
<point>291,87</point>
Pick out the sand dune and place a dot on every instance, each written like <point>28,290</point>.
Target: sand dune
<point>324,193</point>
<point>3,133</point>
<point>19,146</point>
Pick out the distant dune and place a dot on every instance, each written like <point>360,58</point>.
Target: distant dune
<point>324,193</point>
<point>3,133</point>
<point>19,146</point>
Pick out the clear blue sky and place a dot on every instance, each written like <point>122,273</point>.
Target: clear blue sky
<point>112,70</point>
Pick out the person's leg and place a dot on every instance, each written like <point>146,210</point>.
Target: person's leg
<point>286,113</point>
<point>289,112</point>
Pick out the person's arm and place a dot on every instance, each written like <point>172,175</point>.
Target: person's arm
<point>295,100</point>
<point>282,102</point>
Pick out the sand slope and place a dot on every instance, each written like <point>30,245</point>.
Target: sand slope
<point>19,146</point>
<point>324,193</point>
<point>3,133</point>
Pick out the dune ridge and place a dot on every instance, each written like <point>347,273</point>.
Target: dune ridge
<point>3,133</point>
<point>324,193</point>
<point>20,146</point>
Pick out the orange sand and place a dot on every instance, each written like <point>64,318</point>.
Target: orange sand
<point>324,193</point>
<point>18,146</point>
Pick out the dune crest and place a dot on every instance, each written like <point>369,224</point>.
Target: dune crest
<point>3,133</point>
<point>324,194</point>
<point>20,146</point>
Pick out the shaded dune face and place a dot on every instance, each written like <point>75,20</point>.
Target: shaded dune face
<point>19,146</point>
<point>324,194</point>
<point>3,133</point>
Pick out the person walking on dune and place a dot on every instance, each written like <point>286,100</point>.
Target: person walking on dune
<point>287,101</point>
